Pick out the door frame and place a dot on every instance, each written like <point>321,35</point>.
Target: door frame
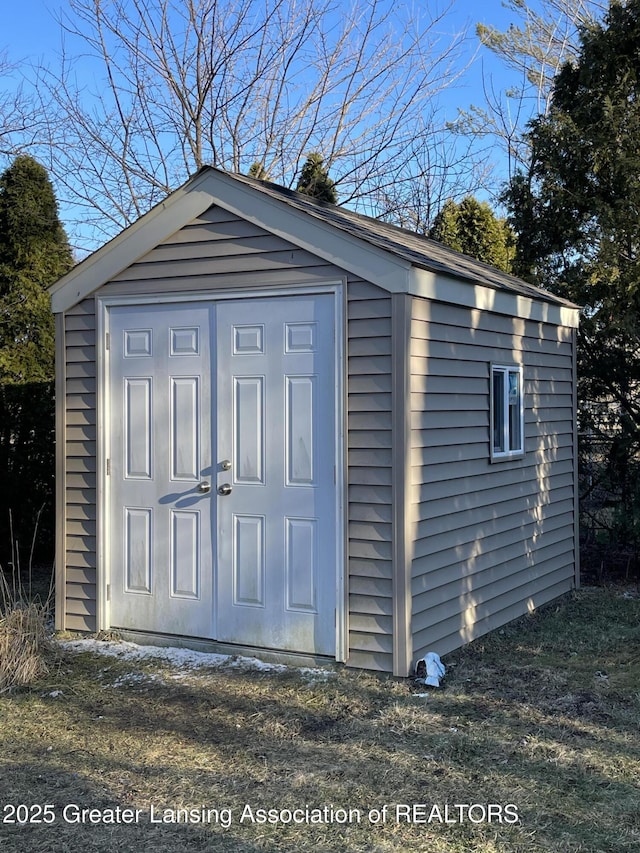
<point>335,287</point>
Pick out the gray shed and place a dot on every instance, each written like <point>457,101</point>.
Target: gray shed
<point>288,428</point>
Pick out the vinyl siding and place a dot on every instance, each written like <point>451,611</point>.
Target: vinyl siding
<point>219,251</point>
<point>369,477</point>
<point>80,468</point>
<point>492,540</point>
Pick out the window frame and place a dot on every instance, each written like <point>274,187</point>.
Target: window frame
<point>505,371</point>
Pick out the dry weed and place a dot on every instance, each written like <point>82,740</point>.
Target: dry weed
<point>23,639</point>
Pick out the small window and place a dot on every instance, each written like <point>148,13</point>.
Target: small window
<point>507,412</point>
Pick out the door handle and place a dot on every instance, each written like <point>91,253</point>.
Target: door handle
<point>225,489</point>
<point>204,487</point>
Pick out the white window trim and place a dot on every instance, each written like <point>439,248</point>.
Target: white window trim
<point>505,370</point>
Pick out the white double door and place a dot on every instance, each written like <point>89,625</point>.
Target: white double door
<point>221,478</point>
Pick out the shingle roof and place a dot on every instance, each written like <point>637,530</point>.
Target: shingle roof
<point>418,250</point>
<point>342,237</point>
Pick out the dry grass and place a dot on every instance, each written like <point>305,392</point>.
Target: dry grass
<point>544,715</point>
<point>24,643</point>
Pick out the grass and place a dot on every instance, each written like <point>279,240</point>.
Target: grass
<point>23,636</point>
<point>544,714</point>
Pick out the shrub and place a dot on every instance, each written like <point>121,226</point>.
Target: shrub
<point>27,472</point>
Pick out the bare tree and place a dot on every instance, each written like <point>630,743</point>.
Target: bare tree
<point>533,51</point>
<point>168,85</point>
<point>450,167</point>
<point>17,119</point>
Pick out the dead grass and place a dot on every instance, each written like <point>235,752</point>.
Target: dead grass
<point>544,715</point>
<point>24,643</point>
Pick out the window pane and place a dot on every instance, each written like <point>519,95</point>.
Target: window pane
<point>514,412</point>
<point>498,411</point>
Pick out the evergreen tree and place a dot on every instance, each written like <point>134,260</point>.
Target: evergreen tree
<point>315,181</point>
<point>472,228</point>
<point>258,171</point>
<point>577,215</point>
<point>34,252</point>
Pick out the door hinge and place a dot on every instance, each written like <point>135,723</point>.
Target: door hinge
<point>108,467</point>
<point>107,341</point>
<point>108,592</point>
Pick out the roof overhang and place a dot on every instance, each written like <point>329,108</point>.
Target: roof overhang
<point>183,205</point>
<point>212,187</point>
<point>306,231</point>
<point>472,295</point>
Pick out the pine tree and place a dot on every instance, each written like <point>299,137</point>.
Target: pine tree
<point>315,181</point>
<point>576,213</point>
<point>258,171</point>
<point>34,252</point>
<point>472,228</point>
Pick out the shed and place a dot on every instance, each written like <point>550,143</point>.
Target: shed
<point>289,428</point>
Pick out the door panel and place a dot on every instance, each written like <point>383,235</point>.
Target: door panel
<point>248,421</point>
<point>137,550</point>
<point>138,428</point>
<point>248,564</point>
<point>186,418</point>
<point>276,422</point>
<point>160,434</point>
<point>301,565</point>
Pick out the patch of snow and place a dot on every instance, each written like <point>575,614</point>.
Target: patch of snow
<point>184,658</point>
<point>132,651</point>
<point>236,662</point>
<point>132,678</point>
<point>317,674</point>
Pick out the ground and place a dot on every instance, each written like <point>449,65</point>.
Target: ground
<point>530,744</point>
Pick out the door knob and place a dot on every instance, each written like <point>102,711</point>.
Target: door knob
<point>224,489</point>
<point>204,487</point>
<point>226,464</point>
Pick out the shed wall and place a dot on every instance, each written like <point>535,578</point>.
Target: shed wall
<point>220,251</point>
<point>490,540</point>
<point>80,467</point>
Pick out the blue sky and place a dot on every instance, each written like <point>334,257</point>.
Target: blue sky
<point>30,35</point>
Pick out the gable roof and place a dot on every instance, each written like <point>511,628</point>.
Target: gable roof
<point>418,250</point>
<point>394,258</point>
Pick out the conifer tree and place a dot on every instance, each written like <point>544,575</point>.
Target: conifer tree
<point>315,181</point>
<point>34,252</point>
<point>258,171</point>
<point>576,213</point>
<point>471,227</point>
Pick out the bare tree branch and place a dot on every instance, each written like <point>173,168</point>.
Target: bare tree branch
<point>18,122</point>
<point>534,51</point>
<point>149,90</point>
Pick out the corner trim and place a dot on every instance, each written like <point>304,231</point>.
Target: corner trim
<point>61,478</point>
<point>401,482</point>
<point>576,479</point>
